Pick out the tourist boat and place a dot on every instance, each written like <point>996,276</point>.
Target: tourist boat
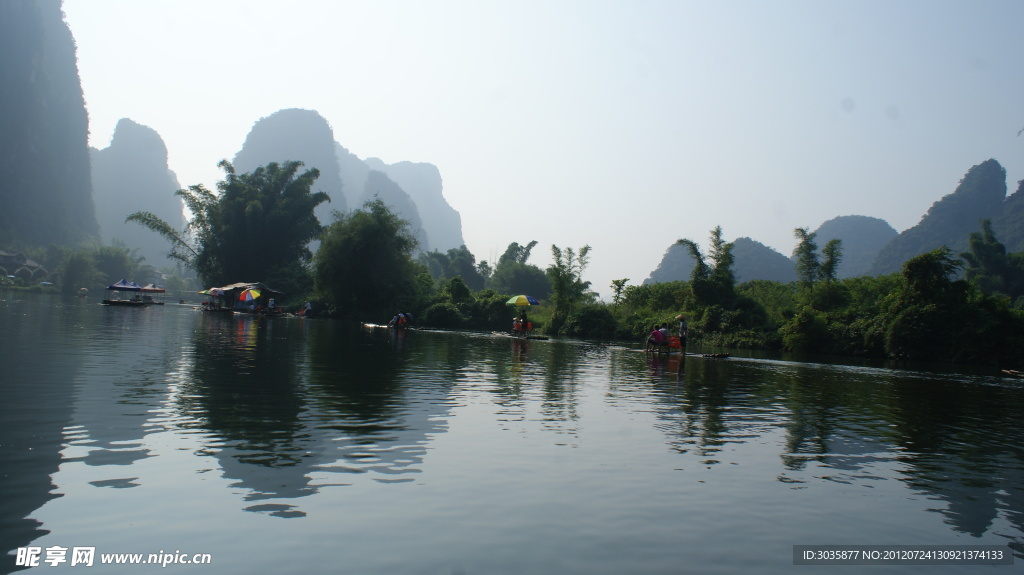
<point>125,286</point>
<point>241,297</point>
<point>141,295</point>
<point>147,292</point>
<point>125,302</point>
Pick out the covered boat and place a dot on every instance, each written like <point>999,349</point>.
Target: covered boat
<point>147,294</point>
<point>124,286</point>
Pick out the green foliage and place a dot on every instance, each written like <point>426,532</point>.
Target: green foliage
<point>777,299</point>
<point>833,256</point>
<point>618,286</point>
<point>659,296</point>
<point>489,311</point>
<point>721,255</point>
<point>592,321</point>
<point>922,320</point>
<point>516,253</point>
<point>520,278</point>
<point>806,331</point>
<point>916,332</point>
<point>513,275</point>
<point>989,267</point>
<point>115,263</point>
<point>922,313</point>
<point>807,265</point>
<point>457,262</point>
<point>444,314</point>
<point>567,286</point>
<point>79,271</point>
<point>817,273</point>
<point>181,246</point>
<point>712,284</point>
<point>259,226</point>
<point>364,267</point>
<point>929,277</point>
<point>457,292</point>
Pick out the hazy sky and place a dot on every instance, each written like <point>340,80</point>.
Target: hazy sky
<point>624,125</point>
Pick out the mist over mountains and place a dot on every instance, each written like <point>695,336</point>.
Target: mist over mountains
<point>132,175</point>
<point>45,184</point>
<point>54,190</point>
<point>409,189</point>
<point>301,135</point>
<point>422,181</point>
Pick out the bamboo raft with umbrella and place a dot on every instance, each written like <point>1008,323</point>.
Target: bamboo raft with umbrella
<point>521,325</point>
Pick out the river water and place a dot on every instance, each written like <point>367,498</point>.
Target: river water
<point>314,446</point>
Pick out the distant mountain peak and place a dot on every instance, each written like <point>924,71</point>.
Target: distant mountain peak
<point>412,189</point>
<point>863,238</point>
<point>950,220</point>
<point>296,134</point>
<point>131,175</point>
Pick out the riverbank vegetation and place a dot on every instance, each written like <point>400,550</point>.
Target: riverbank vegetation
<point>939,307</point>
<point>966,308</point>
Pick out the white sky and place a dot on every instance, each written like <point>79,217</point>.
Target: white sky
<point>625,125</point>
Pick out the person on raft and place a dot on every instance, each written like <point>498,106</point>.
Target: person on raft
<point>400,320</point>
<point>657,338</point>
<point>683,328</point>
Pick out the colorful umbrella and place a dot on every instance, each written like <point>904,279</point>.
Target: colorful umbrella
<point>522,300</point>
<point>249,295</point>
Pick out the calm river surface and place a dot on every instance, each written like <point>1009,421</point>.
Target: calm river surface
<point>313,446</point>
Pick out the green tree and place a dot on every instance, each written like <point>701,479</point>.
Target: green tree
<point>115,263</point>
<point>807,265</point>
<point>457,262</point>
<point>828,271</point>
<point>513,275</point>
<point>457,291</point>
<point>79,271</point>
<point>567,286</point>
<point>988,266</point>
<point>833,256</point>
<point>713,284</point>
<point>364,267</point>
<point>721,256</point>
<point>930,311</point>
<point>517,253</point>
<point>258,227</point>
<point>618,286</point>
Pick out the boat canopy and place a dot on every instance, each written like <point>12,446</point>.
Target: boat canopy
<point>150,288</point>
<point>125,286</point>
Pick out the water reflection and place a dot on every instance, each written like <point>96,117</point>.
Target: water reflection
<point>291,415</point>
<point>950,439</point>
<point>373,407</point>
<point>34,410</point>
